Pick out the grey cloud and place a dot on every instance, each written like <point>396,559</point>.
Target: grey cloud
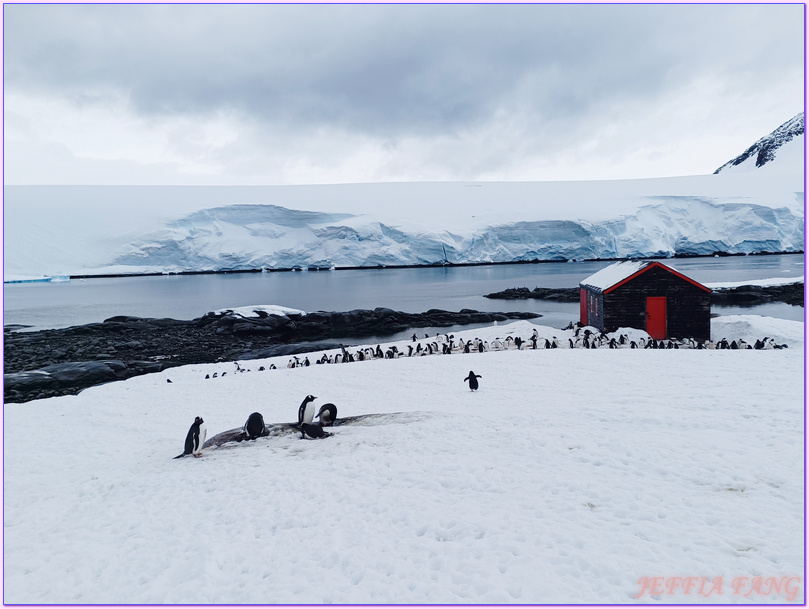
<point>535,77</point>
<point>389,70</point>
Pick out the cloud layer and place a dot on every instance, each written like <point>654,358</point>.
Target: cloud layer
<point>325,93</point>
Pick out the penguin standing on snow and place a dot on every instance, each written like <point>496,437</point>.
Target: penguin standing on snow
<point>195,438</point>
<point>327,414</point>
<point>254,427</point>
<point>473,380</point>
<point>306,412</point>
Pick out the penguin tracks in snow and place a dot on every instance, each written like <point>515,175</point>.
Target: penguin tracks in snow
<point>277,430</point>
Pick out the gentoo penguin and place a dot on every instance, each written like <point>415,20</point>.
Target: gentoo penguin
<point>473,380</point>
<point>306,412</point>
<point>309,430</point>
<point>195,438</point>
<point>254,427</point>
<point>327,414</point>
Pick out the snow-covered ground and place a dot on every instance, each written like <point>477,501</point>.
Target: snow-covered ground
<point>570,476</point>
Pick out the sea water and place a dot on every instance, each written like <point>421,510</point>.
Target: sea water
<point>413,290</point>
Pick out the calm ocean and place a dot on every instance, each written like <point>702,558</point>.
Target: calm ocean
<point>56,305</point>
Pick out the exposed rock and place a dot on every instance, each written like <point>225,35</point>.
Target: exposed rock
<point>747,295</point>
<point>752,295</point>
<point>558,294</point>
<point>65,361</point>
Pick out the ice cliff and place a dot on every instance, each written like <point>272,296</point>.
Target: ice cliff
<point>267,236</point>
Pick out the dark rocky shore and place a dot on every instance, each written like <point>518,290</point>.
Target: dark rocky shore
<point>49,363</point>
<point>746,295</point>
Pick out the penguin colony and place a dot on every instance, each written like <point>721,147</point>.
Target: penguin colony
<point>446,344</point>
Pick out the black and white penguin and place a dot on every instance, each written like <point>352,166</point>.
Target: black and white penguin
<point>314,431</point>
<point>306,412</point>
<point>254,427</point>
<point>473,380</point>
<point>327,414</point>
<point>195,438</point>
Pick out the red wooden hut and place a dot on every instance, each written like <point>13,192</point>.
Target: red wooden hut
<point>646,295</point>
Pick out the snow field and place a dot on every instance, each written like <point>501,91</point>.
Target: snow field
<point>568,477</point>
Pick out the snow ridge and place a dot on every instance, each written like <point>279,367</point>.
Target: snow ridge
<point>765,149</point>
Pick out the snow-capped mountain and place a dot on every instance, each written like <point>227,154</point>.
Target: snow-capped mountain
<point>787,139</point>
<point>118,229</point>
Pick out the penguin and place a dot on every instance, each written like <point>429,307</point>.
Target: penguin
<point>327,414</point>
<point>473,380</point>
<point>195,438</point>
<point>254,427</point>
<point>313,431</point>
<point>306,412</point>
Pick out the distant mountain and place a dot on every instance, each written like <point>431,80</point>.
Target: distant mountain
<point>764,150</point>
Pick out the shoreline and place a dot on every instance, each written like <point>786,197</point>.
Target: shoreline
<point>745,294</point>
<point>47,363</point>
<point>444,264</point>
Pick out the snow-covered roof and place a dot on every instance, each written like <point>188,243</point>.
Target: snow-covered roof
<point>615,274</point>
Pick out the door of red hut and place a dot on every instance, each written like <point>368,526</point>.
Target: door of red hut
<point>656,317</point>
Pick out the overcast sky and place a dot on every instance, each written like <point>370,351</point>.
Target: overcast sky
<point>285,94</point>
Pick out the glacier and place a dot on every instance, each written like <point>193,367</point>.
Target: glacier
<point>744,208</point>
<point>243,237</point>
